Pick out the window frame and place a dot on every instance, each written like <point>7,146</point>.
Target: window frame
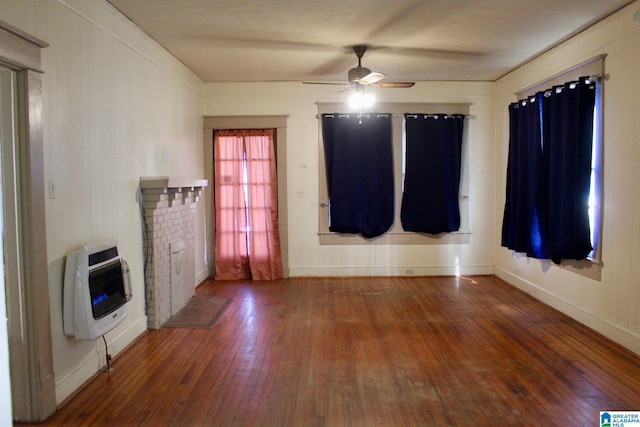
<point>396,235</point>
<point>591,266</point>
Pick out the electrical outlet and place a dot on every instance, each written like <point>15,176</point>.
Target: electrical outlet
<point>409,271</point>
<point>300,194</point>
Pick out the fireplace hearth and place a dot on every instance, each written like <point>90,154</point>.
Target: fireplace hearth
<point>168,222</point>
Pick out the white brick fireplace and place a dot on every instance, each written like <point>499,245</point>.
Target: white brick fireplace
<point>169,244</point>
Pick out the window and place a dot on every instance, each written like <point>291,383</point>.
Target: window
<point>593,67</point>
<point>396,235</point>
<point>358,155</point>
<point>595,193</point>
<point>433,155</point>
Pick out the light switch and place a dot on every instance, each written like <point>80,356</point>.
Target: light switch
<point>52,189</point>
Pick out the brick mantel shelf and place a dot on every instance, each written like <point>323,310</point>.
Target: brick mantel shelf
<point>177,189</point>
<point>169,222</point>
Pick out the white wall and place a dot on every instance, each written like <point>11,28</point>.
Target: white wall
<point>306,256</point>
<point>612,305</point>
<point>116,107</point>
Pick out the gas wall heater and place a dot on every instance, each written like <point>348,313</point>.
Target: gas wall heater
<point>97,287</point>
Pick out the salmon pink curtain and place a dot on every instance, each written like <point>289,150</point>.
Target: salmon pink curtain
<point>246,209</point>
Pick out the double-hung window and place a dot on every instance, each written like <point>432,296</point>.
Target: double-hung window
<point>396,234</point>
<point>554,176</point>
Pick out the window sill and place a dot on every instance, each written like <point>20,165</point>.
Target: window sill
<point>395,238</point>
<point>586,267</point>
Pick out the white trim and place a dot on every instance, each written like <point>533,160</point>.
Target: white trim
<point>408,271</point>
<point>23,35</point>
<point>593,66</point>
<point>396,235</point>
<point>202,275</point>
<point>279,122</point>
<point>395,238</point>
<point>73,380</point>
<point>585,267</point>
<point>612,331</point>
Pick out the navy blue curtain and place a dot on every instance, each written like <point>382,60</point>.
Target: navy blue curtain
<point>568,139</point>
<point>359,160</point>
<point>546,212</point>
<point>524,220</point>
<point>432,173</point>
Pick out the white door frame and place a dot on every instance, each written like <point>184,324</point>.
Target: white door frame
<point>278,122</point>
<point>33,384</point>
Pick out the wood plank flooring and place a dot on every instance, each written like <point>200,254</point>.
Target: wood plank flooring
<point>441,351</point>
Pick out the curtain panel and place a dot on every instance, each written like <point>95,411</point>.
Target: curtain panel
<point>546,212</point>
<point>568,137</point>
<point>247,243</point>
<point>430,200</point>
<point>359,163</point>
<point>524,220</point>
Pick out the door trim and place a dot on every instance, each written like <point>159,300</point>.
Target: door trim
<point>278,122</point>
<point>21,53</point>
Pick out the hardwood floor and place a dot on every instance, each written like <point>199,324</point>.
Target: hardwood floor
<point>439,351</point>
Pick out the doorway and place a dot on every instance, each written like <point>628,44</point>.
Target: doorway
<point>25,294</point>
<point>279,123</point>
<point>7,85</point>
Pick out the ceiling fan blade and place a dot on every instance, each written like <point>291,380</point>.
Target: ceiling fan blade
<point>327,83</point>
<point>399,85</point>
<point>351,87</point>
<point>360,76</point>
<point>371,78</point>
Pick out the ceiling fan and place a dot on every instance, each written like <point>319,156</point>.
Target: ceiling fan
<point>360,76</point>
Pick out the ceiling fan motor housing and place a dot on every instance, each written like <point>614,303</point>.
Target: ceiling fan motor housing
<point>357,73</point>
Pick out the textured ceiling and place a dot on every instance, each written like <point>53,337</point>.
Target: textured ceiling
<point>304,40</point>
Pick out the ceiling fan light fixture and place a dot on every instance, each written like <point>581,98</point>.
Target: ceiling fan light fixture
<point>359,77</point>
<point>358,73</point>
<point>361,100</point>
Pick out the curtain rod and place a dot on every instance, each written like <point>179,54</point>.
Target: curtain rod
<point>592,77</point>
<point>397,116</point>
<point>595,62</point>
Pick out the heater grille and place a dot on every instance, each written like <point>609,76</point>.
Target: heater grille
<point>109,288</point>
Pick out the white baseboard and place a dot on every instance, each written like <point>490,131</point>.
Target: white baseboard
<point>614,332</point>
<point>67,384</point>
<point>202,275</point>
<point>389,271</point>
